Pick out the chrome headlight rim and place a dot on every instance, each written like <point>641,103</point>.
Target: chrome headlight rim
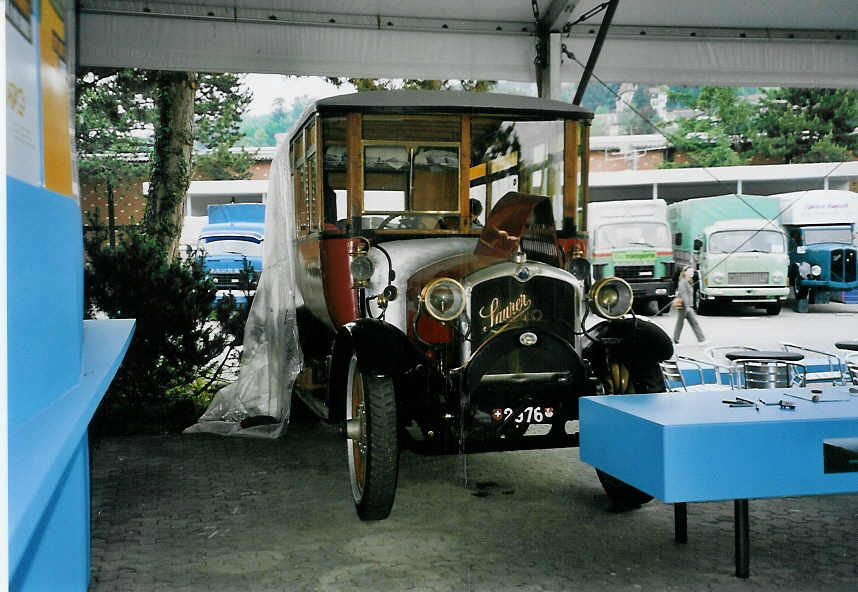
<point>816,270</point>
<point>434,312</point>
<point>599,288</point>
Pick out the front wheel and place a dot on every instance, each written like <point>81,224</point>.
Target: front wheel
<point>372,447</point>
<point>622,380</point>
<point>773,309</point>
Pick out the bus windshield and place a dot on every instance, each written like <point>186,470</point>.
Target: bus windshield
<point>746,241</point>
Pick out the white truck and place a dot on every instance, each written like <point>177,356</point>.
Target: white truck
<point>631,240</point>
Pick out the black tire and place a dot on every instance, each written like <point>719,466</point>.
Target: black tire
<point>646,307</point>
<point>643,378</point>
<point>700,305</point>
<point>373,457</point>
<point>773,309</point>
<point>801,292</point>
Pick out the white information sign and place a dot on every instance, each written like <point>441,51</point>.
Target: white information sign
<point>23,137</point>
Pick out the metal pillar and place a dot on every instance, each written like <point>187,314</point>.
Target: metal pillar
<point>548,73</point>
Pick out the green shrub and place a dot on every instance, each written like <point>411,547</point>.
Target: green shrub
<point>159,385</point>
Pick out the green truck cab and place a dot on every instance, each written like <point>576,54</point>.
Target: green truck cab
<point>736,247</point>
<point>631,240</point>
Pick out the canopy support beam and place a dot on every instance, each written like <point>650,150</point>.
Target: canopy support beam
<point>594,53</point>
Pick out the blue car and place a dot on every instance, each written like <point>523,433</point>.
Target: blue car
<point>231,243</point>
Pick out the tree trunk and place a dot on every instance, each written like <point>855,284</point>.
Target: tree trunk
<point>171,158</point>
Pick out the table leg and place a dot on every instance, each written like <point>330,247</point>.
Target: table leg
<point>680,522</point>
<point>742,538</point>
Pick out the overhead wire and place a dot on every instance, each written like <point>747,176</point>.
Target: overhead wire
<point>706,169</point>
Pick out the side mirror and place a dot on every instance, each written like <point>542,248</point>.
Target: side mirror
<point>698,244</point>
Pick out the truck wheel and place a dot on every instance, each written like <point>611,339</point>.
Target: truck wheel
<point>372,448</point>
<point>700,305</point>
<point>647,307</point>
<point>643,379</point>
<point>773,309</point>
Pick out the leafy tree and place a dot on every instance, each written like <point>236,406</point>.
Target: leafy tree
<point>171,158</point>
<point>130,122</point>
<point>262,130</point>
<point>719,134</point>
<point>807,125</point>
<point>173,340</point>
<point>113,124</point>
<point>641,119</point>
<point>371,84</point>
<point>220,104</point>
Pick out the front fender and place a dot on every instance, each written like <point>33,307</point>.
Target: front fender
<point>380,347</point>
<point>641,342</point>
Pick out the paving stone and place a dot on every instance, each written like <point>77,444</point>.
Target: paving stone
<point>204,513</point>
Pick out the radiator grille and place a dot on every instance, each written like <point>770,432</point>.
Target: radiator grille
<point>635,272</point>
<point>748,278</point>
<point>843,265</point>
<point>499,301</point>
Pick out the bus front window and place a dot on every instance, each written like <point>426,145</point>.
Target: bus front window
<point>411,187</point>
<point>411,172</point>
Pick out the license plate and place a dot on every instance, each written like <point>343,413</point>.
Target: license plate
<point>527,415</point>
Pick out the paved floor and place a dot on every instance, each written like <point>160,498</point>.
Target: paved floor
<point>197,512</point>
<point>819,328</point>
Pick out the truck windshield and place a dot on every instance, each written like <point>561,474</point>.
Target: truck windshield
<point>632,235</point>
<point>746,241</point>
<point>839,234</point>
<point>232,246</point>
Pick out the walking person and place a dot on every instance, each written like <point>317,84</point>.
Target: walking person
<point>683,305</point>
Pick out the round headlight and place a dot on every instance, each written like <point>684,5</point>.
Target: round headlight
<point>717,278</point>
<point>444,299</point>
<point>361,268</point>
<point>778,277</point>
<point>816,270</point>
<point>611,298</point>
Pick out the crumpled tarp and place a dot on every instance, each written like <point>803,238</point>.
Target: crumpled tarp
<point>258,403</point>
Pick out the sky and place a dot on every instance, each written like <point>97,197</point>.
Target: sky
<point>267,87</point>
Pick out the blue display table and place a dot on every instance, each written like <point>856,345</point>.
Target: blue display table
<point>693,447</point>
<point>49,472</point>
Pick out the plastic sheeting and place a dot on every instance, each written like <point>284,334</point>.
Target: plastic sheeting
<point>258,403</point>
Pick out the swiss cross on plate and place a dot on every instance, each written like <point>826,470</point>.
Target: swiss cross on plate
<point>549,412</point>
<point>497,414</point>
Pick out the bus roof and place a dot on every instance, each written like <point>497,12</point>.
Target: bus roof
<point>418,102</point>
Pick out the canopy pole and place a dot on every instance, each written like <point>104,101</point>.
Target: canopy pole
<point>594,53</point>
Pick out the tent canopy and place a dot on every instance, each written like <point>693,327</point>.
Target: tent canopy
<point>730,42</point>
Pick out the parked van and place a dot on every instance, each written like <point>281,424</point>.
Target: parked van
<point>631,240</point>
<point>820,227</point>
<point>736,247</point>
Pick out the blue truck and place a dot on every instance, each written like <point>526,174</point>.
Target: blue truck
<point>820,225</point>
<point>230,243</point>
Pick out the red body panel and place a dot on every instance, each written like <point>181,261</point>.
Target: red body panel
<point>340,297</point>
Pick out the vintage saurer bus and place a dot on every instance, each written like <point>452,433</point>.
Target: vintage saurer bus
<point>445,296</point>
